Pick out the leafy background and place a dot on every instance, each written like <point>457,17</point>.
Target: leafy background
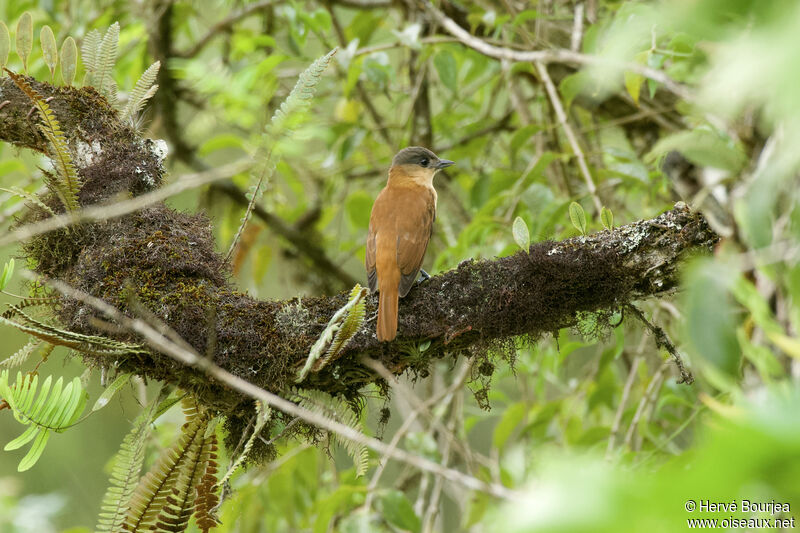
<point>595,431</point>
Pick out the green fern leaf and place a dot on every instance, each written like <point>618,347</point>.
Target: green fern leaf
<point>263,414</point>
<point>21,355</point>
<point>90,48</point>
<point>144,89</point>
<point>166,475</point>
<point>31,197</point>
<point>127,464</point>
<point>42,410</point>
<point>288,114</point>
<point>350,326</point>
<point>90,344</point>
<point>102,75</point>
<point>337,409</point>
<point>337,333</point>
<point>179,506</point>
<point>68,185</point>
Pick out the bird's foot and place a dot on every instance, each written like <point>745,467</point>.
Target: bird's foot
<point>423,277</point>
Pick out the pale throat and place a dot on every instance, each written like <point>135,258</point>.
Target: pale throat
<point>412,174</point>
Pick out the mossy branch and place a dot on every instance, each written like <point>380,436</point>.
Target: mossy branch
<point>166,260</point>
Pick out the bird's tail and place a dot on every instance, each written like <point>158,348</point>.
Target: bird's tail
<point>387,310</point>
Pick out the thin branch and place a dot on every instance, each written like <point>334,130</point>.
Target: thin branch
<point>551,56</point>
<point>442,398</point>
<point>298,239</point>
<point>662,341</point>
<point>612,438</point>
<point>165,345</point>
<point>649,396</point>
<point>120,208</point>
<point>577,28</point>
<point>555,101</point>
<point>222,26</point>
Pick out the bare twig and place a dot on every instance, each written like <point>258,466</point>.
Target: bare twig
<point>442,398</point>
<point>117,209</point>
<point>555,101</point>
<point>165,345</point>
<point>577,29</point>
<point>649,396</point>
<point>223,26</point>
<point>662,341</point>
<point>612,438</point>
<point>550,56</point>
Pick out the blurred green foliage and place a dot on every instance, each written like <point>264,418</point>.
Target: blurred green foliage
<point>595,432</point>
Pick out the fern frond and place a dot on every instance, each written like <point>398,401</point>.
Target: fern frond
<point>31,197</point>
<point>263,414</point>
<point>349,327</point>
<point>340,329</point>
<point>166,476</point>
<point>207,498</point>
<point>126,465</point>
<point>68,185</point>
<point>102,74</point>
<point>43,413</point>
<point>21,355</point>
<point>174,516</point>
<point>90,47</point>
<point>337,409</point>
<point>298,101</point>
<point>144,89</point>
<point>90,344</point>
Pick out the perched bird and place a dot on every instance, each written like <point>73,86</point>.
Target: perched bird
<point>400,227</point>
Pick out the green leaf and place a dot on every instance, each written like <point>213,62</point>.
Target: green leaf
<point>702,146</point>
<point>358,206</point>
<point>522,135</point>
<point>633,84</point>
<point>8,272</point>
<point>35,452</point>
<point>511,418</point>
<point>397,510</point>
<point>607,218</point>
<point>111,390</point>
<point>521,235</point>
<point>633,81</point>
<point>710,320</point>
<point>578,217</point>
<point>5,45</point>
<point>49,49</point>
<point>572,85</point>
<point>24,38</point>
<point>69,60</point>
<point>447,68</point>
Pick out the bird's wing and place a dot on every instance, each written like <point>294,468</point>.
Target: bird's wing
<point>372,273</point>
<point>414,230</point>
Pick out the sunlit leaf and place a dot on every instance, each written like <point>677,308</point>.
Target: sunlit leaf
<point>69,60</point>
<point>49,49</point>
<point>24,38</point>
<point>521,235</point>
<point>578,217</point>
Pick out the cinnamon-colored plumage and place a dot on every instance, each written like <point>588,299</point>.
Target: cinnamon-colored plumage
<point>400,227</point>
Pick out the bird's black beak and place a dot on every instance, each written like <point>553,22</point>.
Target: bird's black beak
<point>444,163</point>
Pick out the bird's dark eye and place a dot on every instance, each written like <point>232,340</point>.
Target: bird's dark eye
<point>424,162</point>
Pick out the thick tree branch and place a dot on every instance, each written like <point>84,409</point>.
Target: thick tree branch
<point>166,261</point>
